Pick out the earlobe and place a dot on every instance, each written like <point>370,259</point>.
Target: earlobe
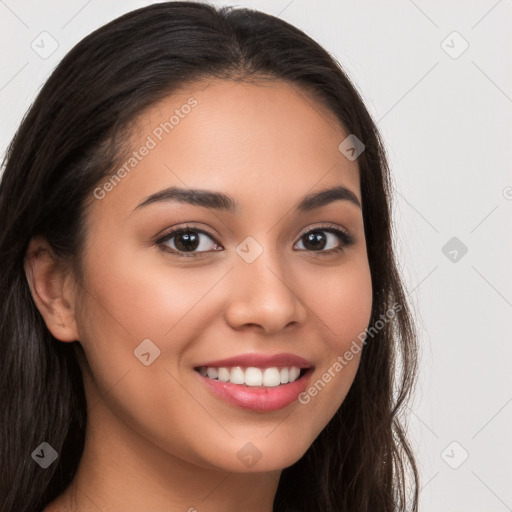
<point>50,285</point>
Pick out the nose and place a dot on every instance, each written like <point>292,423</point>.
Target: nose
<point>265,295</point>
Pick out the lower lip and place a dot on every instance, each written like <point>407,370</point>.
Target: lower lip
<point>258,398</point>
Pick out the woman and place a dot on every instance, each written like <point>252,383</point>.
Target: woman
<point>201,308</point>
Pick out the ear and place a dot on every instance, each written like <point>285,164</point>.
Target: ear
<point>52,288</point>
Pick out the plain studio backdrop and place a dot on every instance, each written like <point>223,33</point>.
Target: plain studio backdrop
<point>436,77</point>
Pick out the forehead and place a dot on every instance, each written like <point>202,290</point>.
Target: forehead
<point>268,140</point>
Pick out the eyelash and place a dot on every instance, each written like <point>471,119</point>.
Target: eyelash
<point>345,238</point>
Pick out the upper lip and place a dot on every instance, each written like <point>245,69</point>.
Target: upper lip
<point>259,361</point>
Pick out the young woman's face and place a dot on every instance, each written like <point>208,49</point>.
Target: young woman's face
<point>252,276</point>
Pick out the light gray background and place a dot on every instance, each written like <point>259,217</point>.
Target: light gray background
<point>446,120</point>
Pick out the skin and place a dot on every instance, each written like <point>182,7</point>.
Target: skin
<point>157,438</point>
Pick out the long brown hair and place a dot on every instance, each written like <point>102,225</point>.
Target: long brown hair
<point>67,144</point>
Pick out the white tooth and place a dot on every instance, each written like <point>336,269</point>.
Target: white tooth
<point>253,376</point>
<point>237,375</point>
<point>212,373</point>
<point>271,377</point>
<point>285,375</point>
<point>294,373</point>
<point>202,370</point>
<point>223,374</point>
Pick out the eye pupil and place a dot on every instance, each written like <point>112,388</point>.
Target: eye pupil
<point>316,240</point>
<point>186,241</point>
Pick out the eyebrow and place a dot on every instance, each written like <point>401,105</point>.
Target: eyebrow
<point>221,201</point>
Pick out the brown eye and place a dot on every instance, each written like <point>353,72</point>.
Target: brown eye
<point>188,242</point>
<point>326,240</point>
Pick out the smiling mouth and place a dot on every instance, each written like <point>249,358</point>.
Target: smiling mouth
<point>252,376</point>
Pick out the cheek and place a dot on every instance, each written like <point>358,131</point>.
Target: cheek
<point>131,299</point>
<point>138,295</point>
<point>343,303</point>
<point>342,300</point>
